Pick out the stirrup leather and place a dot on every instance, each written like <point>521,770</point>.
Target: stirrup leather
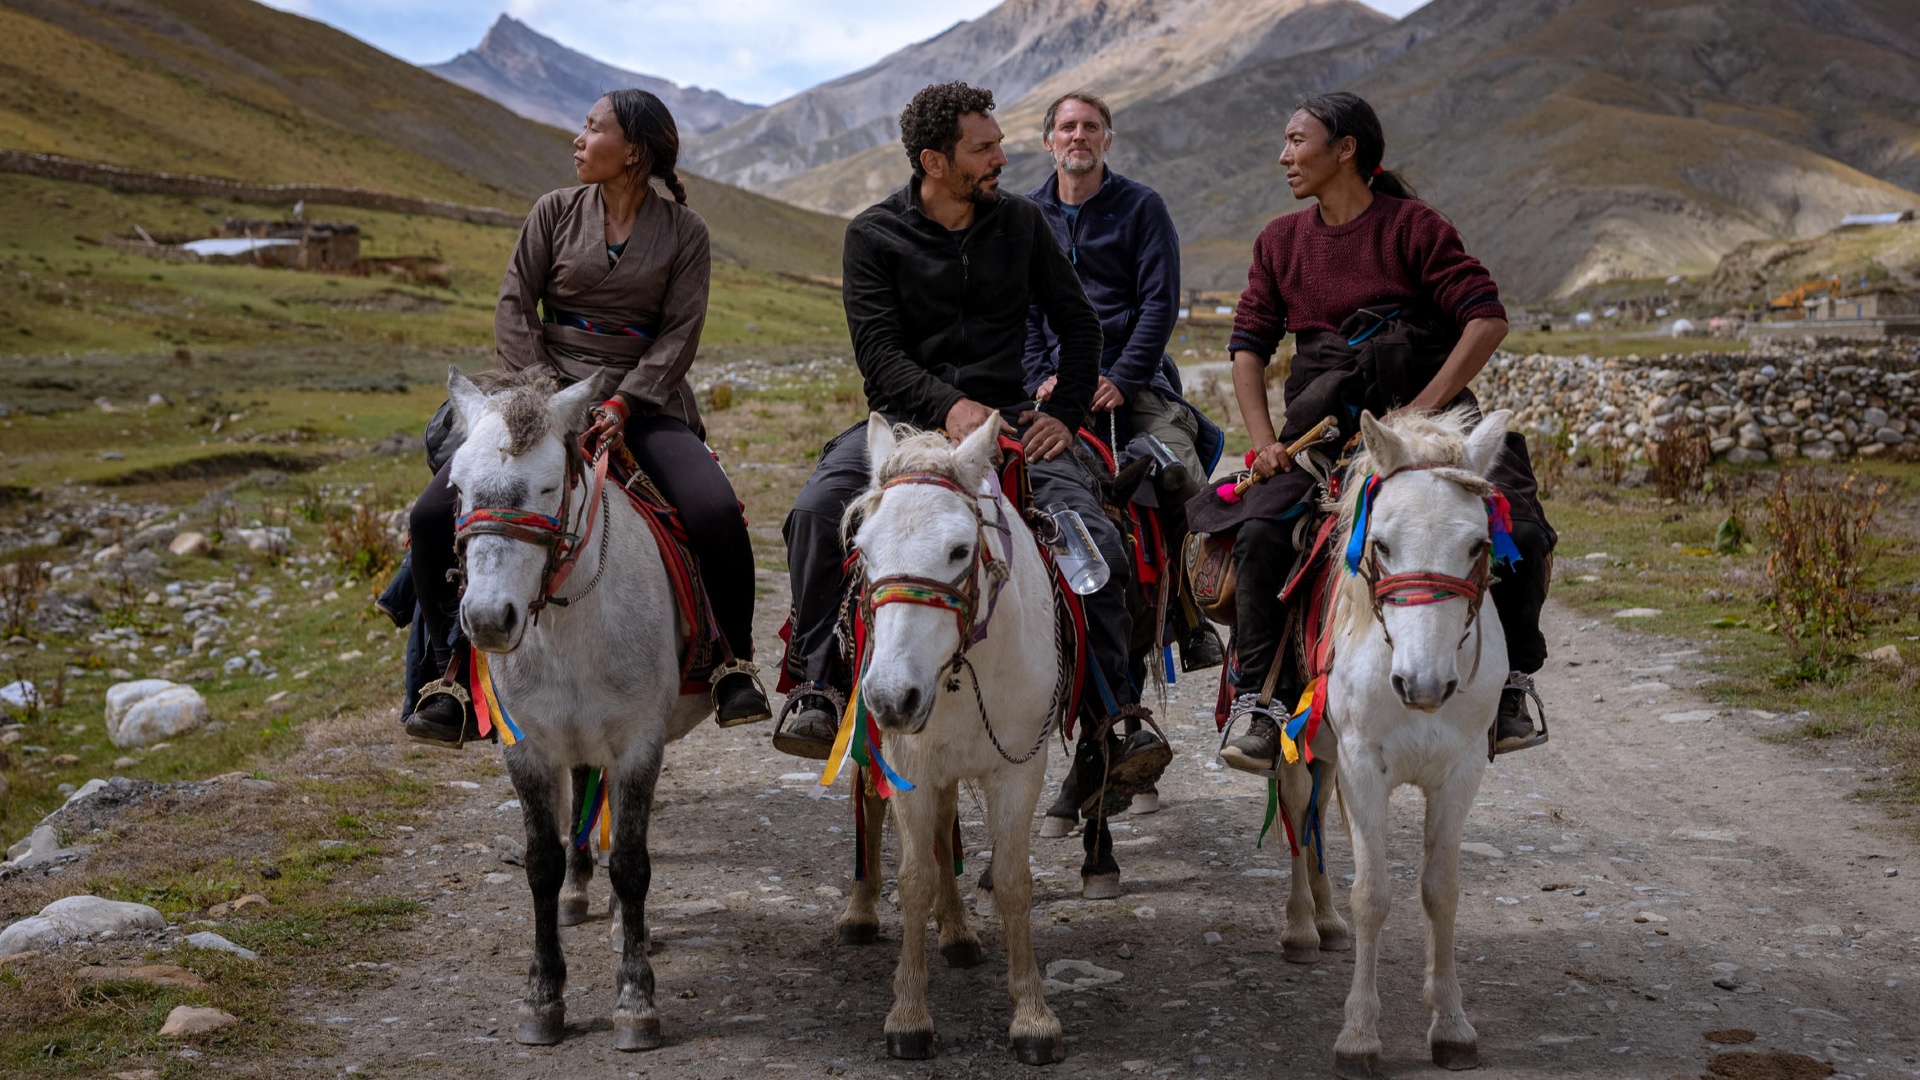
<point>1523,682</point>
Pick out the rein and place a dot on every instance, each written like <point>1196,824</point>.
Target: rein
<point>528,527</point>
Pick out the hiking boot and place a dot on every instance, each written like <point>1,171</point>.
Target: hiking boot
<point>1513,726</point>
<point>737,697</point>
<point>442,718</point>
<point>1200,649</point>
<point>1257,749</point>
<point>808,725</point>
<point>1132,763</point>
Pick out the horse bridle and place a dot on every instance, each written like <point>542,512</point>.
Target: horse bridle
<point>961,597</point>
<point>1417,588</point>
<point>528,527</point>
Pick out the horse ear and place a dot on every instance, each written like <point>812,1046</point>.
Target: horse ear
<point>973,459</point>
<point>879,444</point>
<point>1389,452</point>
<point>466,398</point>
<point>568,407</point>
<point>1489,437</point>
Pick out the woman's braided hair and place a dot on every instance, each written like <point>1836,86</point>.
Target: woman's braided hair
<point>647,124</point>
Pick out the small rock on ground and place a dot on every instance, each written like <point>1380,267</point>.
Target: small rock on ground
<point>191,1020</point>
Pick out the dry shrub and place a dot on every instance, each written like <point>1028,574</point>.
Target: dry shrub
<point>1552,452</point>
<point>1680,457</point>
<point>358,540</point>
<point>1820,539</point>
<point>21,585</point>
<point>1606,456</point>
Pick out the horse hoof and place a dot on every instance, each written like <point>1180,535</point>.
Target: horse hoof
<point>1357,1066</point>
<point>1039,1049</point>
<point>1099,886</point>
<point>1456,1055</point>
<point>639,1034</point>
<point>1335,942</point>
<point>1299,954</point>
<point>963,954</point>
<point>859,933</point>
<point>1053,828</point>
<point>910,1045</point>
<point>573,910</point>
<point>543,1028</point>
<point>1145,802</point>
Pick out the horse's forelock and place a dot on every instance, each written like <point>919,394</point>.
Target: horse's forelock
<point>1428,439</point>
<point>520,397</point>
<point>915,452</point>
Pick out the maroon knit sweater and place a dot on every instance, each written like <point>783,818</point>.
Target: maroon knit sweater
<point>1307,275</point>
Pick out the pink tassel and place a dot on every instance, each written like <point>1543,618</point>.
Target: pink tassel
<point>1229,493</point>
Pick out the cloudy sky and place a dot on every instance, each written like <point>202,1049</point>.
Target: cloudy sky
<point>753,50</point>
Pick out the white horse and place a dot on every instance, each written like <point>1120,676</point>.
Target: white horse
<point>590,678</point>
<point>963,618</point>
<point>1418,664</point>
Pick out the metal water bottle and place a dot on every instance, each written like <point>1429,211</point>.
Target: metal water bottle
<point>1080,562</point>
<point>1172,473</point>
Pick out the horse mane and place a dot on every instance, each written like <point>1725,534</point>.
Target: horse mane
<point>914,452</point>
<point>1429,439</point>
<point>520,397</point>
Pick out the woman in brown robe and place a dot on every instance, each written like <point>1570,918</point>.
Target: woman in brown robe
<point>608,283</point>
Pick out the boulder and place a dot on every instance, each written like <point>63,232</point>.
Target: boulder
<point>151,536</point>
<point>268,541</point>
<point>77,918</point>
<point>207,939</point>
<point>191,543</point>
<point>192,1020</point>
<point>146,711</point>
<point>18,696</point>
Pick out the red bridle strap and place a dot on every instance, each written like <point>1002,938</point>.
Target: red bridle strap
<point>1420,587</point>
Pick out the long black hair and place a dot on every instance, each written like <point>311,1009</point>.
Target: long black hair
<point>1344,114</point>
<point>647,124</point>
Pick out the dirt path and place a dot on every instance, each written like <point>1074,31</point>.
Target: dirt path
<point>1745,852</point>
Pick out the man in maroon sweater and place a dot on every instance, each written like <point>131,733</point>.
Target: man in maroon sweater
<point>1368,265</point>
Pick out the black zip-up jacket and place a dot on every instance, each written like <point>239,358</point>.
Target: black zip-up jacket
<point>936,317</point>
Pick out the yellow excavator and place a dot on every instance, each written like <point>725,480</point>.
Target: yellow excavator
<point>1793,302</point>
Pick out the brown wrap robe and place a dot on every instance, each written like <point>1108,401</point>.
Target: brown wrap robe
<point>659,285</point>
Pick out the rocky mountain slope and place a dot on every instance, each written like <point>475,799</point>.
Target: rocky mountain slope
<point>543,80</point>
<point>1575,140</point>
<point>1027,51</point>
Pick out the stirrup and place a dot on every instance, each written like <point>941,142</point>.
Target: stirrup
<point>733,667</point>
<point>801,693</point>
<point>1245,705</point>
<point>445,687</point>
<point>1523,682</point>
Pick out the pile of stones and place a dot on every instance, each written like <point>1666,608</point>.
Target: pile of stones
<point>1769,404</point>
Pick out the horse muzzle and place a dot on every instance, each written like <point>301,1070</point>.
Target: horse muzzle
<point>494,627</point>
<point>1424,692</point>
<point>899,708</point>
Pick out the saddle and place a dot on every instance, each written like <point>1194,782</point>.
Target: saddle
<point>704,649</point>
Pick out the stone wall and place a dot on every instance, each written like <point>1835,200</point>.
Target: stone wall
<point>1776,403</point>
<point>56,167</point>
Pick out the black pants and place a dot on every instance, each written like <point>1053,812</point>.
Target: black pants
<point>683,468</point>
<point>815,555</point>
<point>1263,554</point>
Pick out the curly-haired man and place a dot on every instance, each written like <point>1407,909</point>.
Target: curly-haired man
<point>938,279</point>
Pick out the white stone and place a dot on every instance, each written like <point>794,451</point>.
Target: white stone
<point>20,694</point>
<point>268,541</point>
<point>1069,975</point>
<point>1636,613</point>
<point>191,543</point>
<point>77,918</point>
<point>207,939</point>
<point>192,1020</point>
<point>146,711</point>
<point>1486,851</point>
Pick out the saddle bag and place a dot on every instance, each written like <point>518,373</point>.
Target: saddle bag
<point>1208,559</point>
